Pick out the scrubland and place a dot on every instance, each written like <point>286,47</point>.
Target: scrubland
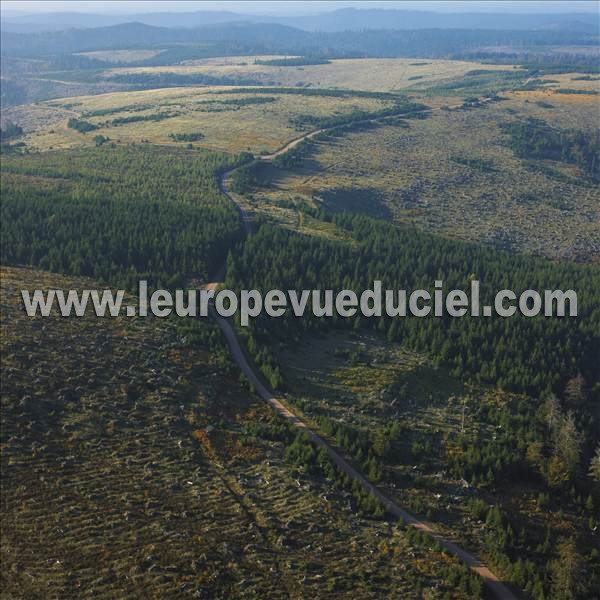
<point>371,74</point>
<point>454,173</point>
<point>263,124</point>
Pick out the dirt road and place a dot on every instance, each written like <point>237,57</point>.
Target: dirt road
<point>499,590</point>
<point>492,582</point>
<point>306,136</point>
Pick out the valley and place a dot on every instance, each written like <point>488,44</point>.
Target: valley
<point>343,457</point>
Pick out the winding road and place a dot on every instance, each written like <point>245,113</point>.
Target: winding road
<point>498,589</point>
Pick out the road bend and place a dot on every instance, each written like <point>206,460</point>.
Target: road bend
<point>498,589</point>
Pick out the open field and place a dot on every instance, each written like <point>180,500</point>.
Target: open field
<point>229,122</point>
<point>121,56</point>
<point>455,174</point>
<point>561,110</point>
<point>130,469</point>
<point>452,173</point>
<point>377,74</point>
<point>576,81</point>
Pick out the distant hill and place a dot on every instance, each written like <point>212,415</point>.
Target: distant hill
<point>59,21</point>
<point>358,19</point>
<point>338,20</point>
<point>135,35</point>
<point>254,38</point>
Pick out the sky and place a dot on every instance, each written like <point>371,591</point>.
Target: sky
<point>289,7</point>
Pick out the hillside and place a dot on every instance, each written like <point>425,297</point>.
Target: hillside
<point>437,440</point>
<point>135,462</point>
<point>337,20</point>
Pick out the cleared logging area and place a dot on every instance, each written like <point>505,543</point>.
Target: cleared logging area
<point>371,74</point>
<point>150,482</point>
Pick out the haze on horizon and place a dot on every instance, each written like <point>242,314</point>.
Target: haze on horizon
<point>289,8</point>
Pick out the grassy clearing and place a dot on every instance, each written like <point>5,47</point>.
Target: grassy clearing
<point>377,74</point>
<point>576,81</point>
<point>121,56</point>
<point>563,111</point>
<point>453,173</point>
<point>223,119</point>
<point>353,375</point>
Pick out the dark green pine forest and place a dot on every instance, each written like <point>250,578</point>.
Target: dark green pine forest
<point>118,214</point>
<point>523,354</point>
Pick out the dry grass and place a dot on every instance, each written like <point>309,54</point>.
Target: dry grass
<point>373,74</point>
<point>35,117</point>
<point>575,81</point>
<point>256,127</point>
<point>121,56</point>
<point>412,173</point>
<point>416,172</point>
<point>566,111</point>
<point>242,60</point>
<point>562,110</point>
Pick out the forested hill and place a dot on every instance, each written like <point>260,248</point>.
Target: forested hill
<point>522,354</point>
<point>119,214</point>
<point>343,19</point>
<point>262,38</point>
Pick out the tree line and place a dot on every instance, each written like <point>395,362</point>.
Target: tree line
<point>534,138</point>
<point>118,214</point>
<point>519,353</point>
